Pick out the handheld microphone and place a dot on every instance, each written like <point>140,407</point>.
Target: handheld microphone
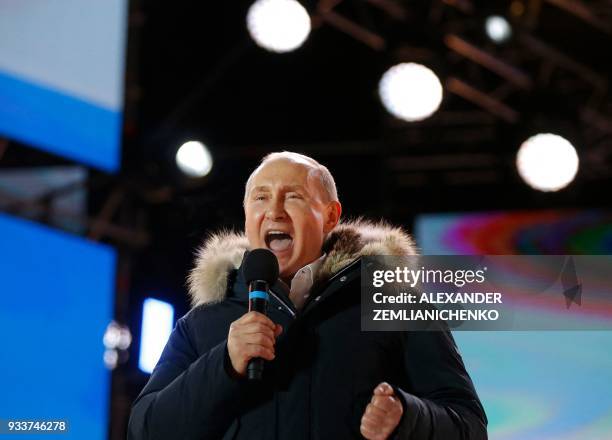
<point>260,270</point>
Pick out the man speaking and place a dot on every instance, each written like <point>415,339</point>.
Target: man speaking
<point>323,377</point>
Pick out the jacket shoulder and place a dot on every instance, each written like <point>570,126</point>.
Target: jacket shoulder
<point>207,324</point>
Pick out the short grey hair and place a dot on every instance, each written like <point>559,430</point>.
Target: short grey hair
<point>320,171</point>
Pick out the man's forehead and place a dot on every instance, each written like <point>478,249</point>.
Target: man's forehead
<point>281,172</point>
<point>288,187</point>
<point>281,165</point>
<point>284,173</point>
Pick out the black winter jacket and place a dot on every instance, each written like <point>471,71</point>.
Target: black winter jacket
<point>325,369</point>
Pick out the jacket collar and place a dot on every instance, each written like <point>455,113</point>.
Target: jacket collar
<point>222,252</point>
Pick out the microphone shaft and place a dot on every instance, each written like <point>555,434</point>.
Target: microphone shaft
<point>258,302</point>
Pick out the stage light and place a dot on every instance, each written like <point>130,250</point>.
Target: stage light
<point>112,335</point>
<point>410,91</point>
<point>278,25</point>
<point>194,159</point>
<point>157,322</point>
<point>547,162</point>
<point>117,338</point>
<point>498,29</point>
<point>125,338</point>
<point>111,358</point>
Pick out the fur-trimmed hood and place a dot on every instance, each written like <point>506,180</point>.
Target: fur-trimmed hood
<point>349,240</point>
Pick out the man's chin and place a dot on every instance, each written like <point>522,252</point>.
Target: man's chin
<point>286,271</point>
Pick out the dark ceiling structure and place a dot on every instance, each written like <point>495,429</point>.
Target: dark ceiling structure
<point>196,74</point>
<point>203,78</point>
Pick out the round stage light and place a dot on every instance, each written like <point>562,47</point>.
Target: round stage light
<point>410,91</point>
<point>498,29</point>
<point>547,162</point>
<point>112,335</point>
<point>278,25</point>
<point>194,159</point>
<point>111,358</point>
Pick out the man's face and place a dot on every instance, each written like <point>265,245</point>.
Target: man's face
<point>285,212</point>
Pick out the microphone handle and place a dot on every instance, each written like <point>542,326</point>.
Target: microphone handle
<point>258,302</point>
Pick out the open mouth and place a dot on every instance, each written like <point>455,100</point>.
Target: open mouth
<point>278,241</point>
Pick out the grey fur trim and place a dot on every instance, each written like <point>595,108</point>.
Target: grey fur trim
<point>220,253</point>
<point>350,240</point>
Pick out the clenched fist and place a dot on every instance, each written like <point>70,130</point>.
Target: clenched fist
<point>253,335</point>
<point>382,415</point>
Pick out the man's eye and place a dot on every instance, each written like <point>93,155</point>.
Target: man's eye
<point>260,197</point>
<point>294,196</point>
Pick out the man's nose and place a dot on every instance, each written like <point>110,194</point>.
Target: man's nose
<point>276,210</point>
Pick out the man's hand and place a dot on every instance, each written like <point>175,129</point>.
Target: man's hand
<point>382,415</point>
<point>251,336</point>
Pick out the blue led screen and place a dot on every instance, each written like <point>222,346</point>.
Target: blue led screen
<point>56,299</point>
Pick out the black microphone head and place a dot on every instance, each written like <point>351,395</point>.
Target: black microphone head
<point>260,264</point>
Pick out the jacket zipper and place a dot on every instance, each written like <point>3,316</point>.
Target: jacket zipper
<point>293,314</point>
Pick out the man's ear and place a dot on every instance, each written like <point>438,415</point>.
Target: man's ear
<point>332,216</point>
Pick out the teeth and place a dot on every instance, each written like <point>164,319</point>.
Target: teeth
<point>278,241</point>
